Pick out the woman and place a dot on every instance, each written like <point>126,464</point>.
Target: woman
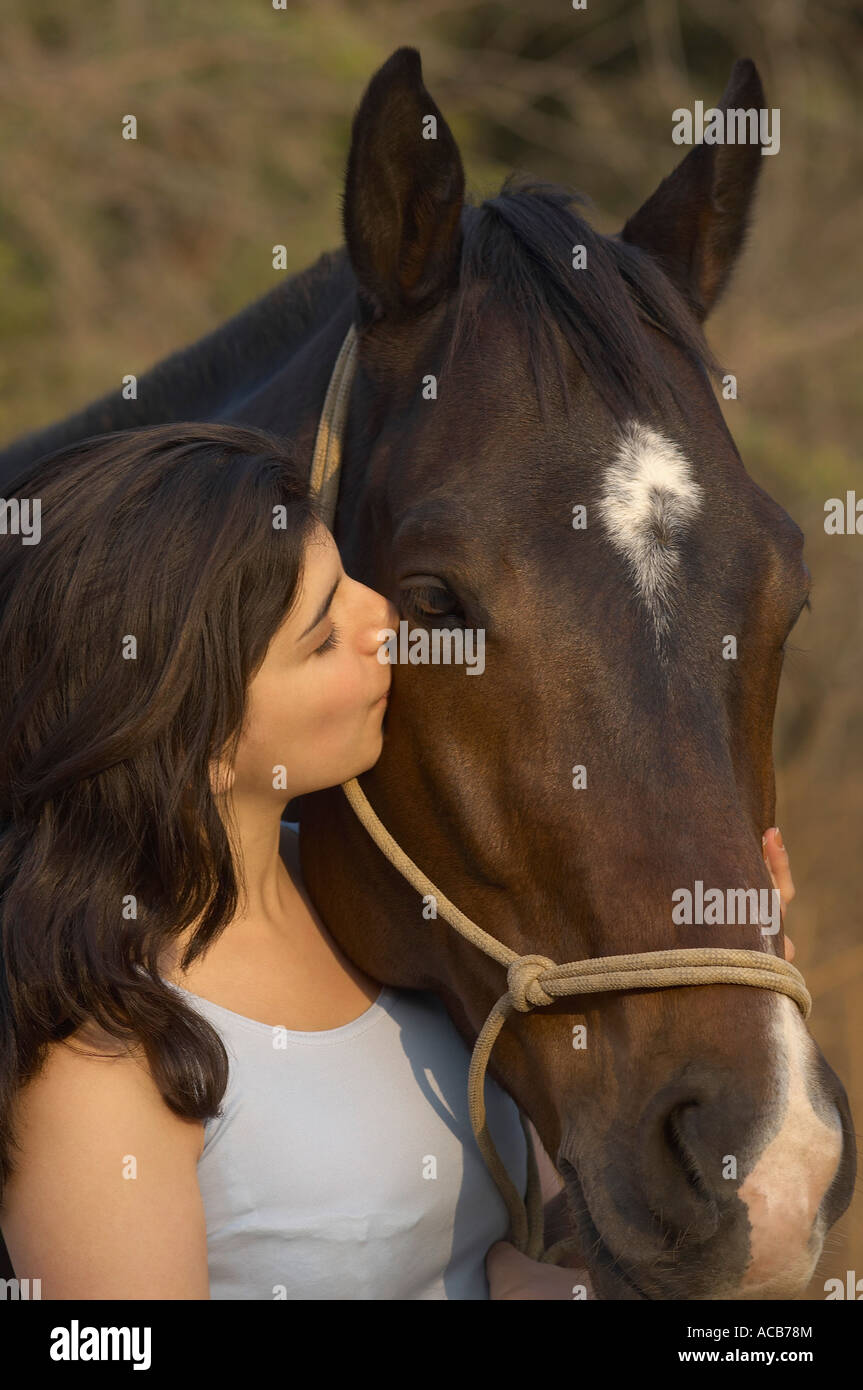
<point>182,654</point>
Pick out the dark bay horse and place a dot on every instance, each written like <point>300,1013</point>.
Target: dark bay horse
<point>507,379</point>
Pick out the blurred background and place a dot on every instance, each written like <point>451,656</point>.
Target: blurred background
<point>114,253</point>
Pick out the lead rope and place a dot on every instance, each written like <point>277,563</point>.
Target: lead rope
<point>533,981</point>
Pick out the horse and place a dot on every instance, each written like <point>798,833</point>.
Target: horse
<point>534,449</point>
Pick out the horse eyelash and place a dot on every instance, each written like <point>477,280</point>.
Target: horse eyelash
<point>332,641</point>
<point>804,607</point>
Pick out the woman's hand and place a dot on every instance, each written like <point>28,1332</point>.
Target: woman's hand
<point>514,1276</point>
<point>776,859</point>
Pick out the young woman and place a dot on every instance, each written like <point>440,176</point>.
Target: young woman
<point>200,1095</point>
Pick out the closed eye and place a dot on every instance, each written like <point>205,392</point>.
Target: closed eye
<point>332,641</point>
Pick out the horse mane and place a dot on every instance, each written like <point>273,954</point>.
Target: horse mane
<point>205,377</point>
<point>519,246</point>
<point>264,335</point>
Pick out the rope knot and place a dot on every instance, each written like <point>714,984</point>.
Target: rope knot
<point>522,978</point>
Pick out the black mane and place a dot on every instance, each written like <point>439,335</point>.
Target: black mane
<point>520,244</point>
<point>204,377</point>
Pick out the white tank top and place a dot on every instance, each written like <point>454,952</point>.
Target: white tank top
<point>343,1163</point>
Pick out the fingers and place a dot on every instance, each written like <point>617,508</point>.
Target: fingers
<point>779,868</point>
<point>512,1275</point>
<point>776,859</point>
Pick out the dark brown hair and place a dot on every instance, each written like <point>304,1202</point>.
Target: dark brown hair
<point>169,556</point>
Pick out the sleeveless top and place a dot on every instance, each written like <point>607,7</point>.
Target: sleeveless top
<point>342,1164</point>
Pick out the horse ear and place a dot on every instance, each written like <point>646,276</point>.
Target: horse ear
<point>404,191</point>
<point>695,222</point>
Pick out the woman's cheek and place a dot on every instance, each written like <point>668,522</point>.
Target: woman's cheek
<point>343,693</point>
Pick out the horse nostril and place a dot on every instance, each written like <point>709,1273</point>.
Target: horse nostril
<point>683,1147</point>
<point>681,1117</point>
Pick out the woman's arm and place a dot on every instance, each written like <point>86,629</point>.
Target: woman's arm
<point>104,1201</point>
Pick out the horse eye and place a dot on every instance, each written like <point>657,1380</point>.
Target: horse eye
<point>805,605</point>
<point>429,600</point>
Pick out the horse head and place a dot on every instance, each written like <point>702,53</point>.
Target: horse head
<point>534,452</point>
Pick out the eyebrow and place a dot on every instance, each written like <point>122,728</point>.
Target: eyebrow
<point>322,611</point>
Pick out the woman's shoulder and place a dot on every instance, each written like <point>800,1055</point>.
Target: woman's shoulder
<point>90,1084</point>
<point>80,1125</point>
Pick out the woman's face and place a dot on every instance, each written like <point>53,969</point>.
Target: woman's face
<point>316,706</point>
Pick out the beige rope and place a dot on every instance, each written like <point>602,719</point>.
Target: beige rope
<point>533,981</point>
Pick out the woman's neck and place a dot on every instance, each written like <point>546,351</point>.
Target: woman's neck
<point>271,891</point>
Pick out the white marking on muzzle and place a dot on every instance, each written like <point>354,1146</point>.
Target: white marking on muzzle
<point>784,1190</point>
<point>649,495</point>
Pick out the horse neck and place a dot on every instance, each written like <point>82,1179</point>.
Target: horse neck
<point>213,377</point>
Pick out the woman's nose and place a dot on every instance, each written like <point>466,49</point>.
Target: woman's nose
<point>384,614</point>
<point>390,620</point>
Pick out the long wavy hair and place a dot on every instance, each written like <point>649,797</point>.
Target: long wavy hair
<point>169,556</point>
